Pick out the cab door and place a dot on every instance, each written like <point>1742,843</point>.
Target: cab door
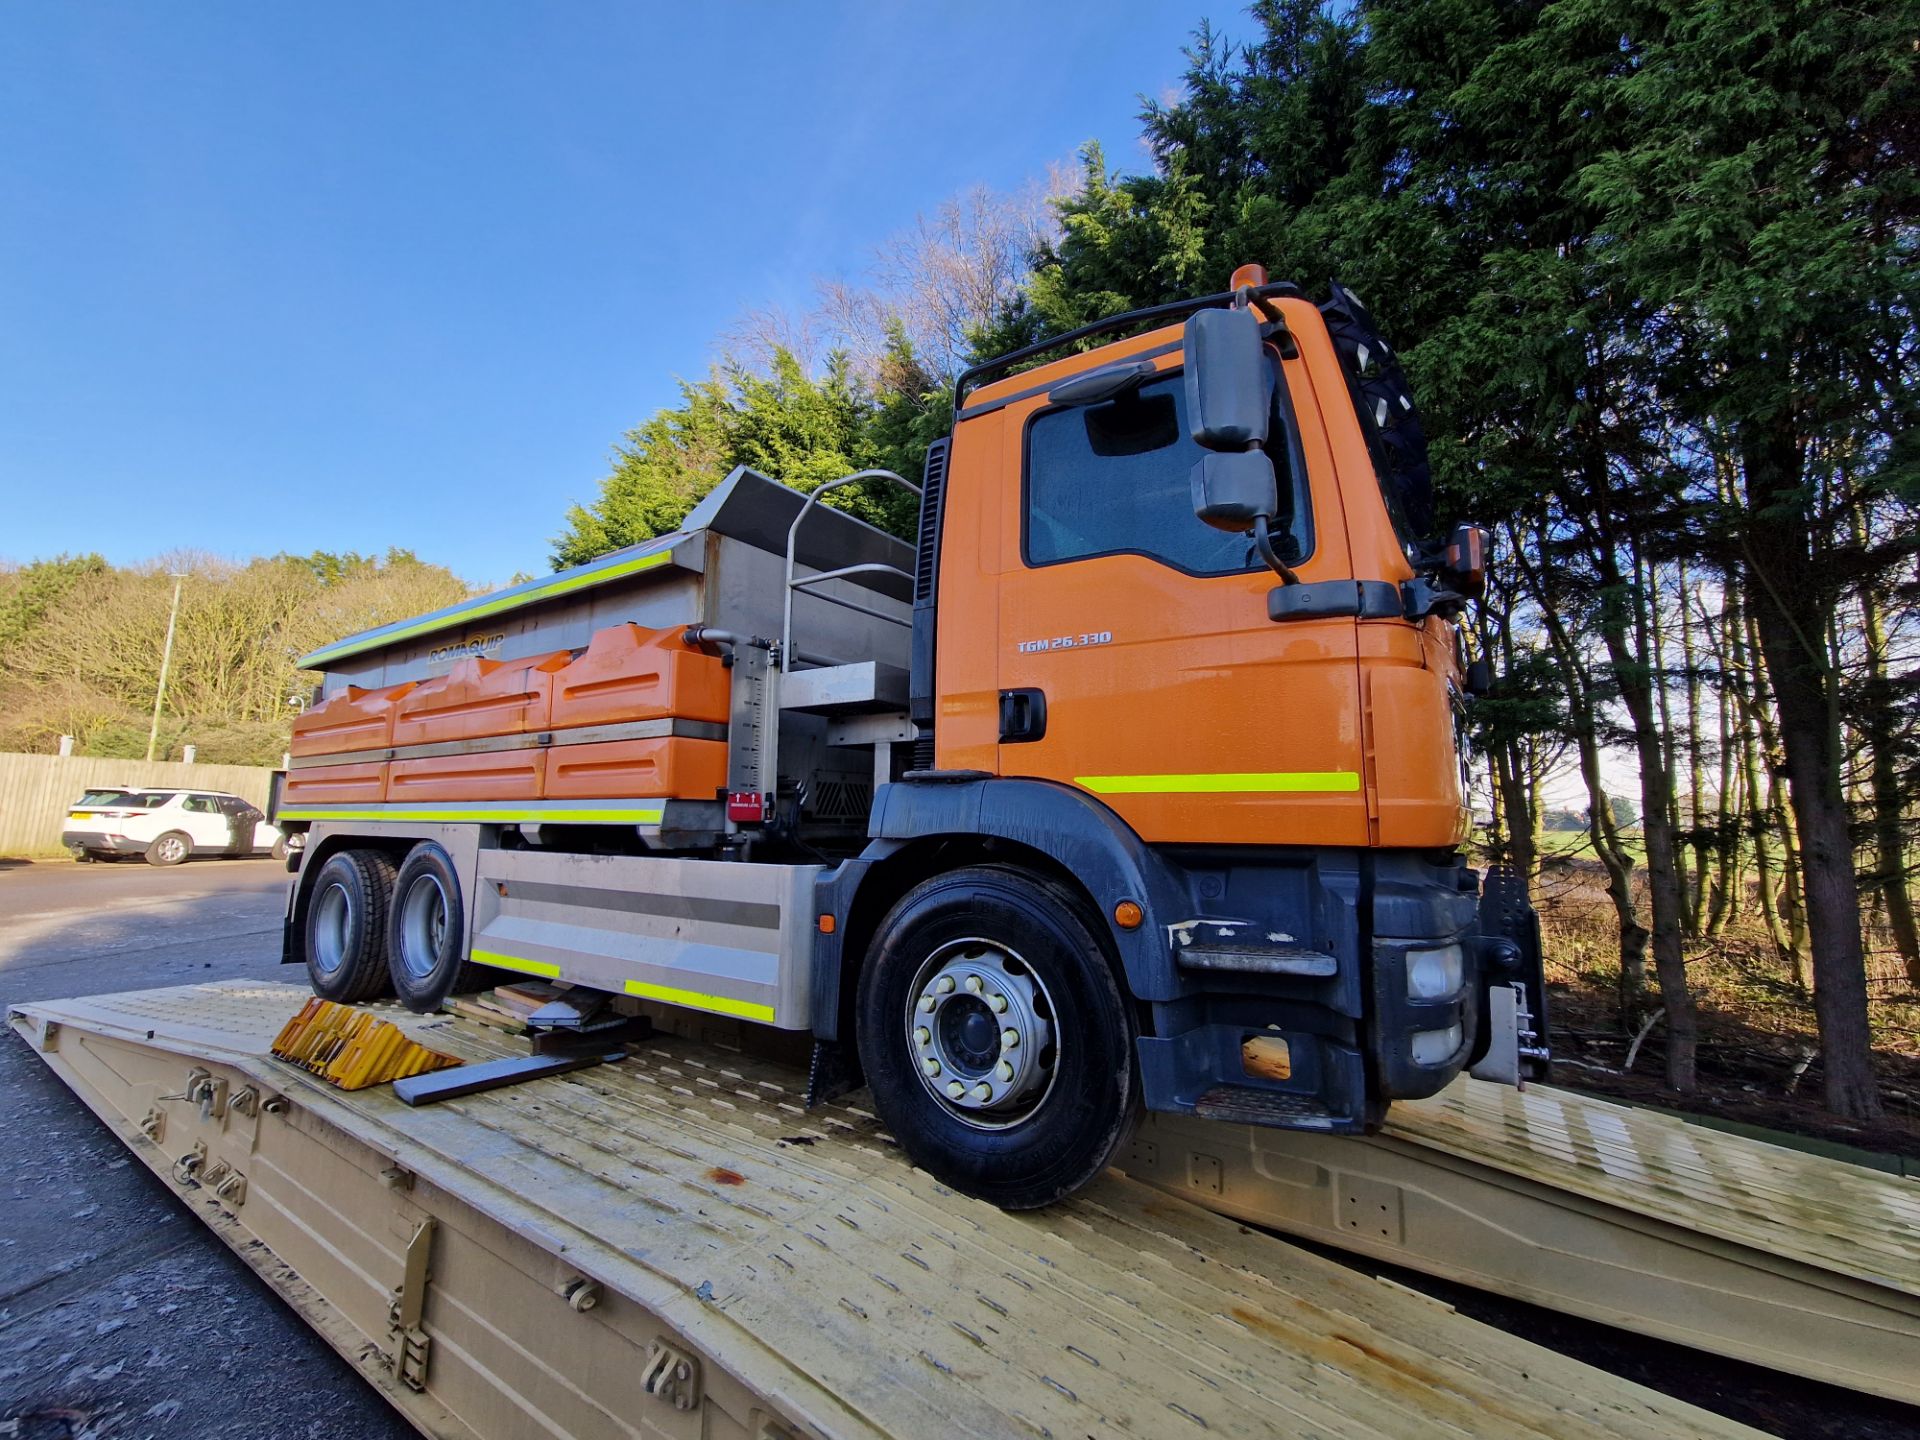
<point>1136,659</point>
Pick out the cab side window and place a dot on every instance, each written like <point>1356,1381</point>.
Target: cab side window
<point>200,805</point>
<point>1112,479</point>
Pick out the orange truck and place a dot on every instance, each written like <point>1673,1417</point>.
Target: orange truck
<point>1135,783</point>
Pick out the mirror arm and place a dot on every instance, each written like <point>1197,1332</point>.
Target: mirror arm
<point>1263,542</point>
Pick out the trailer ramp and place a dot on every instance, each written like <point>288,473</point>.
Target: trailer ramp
<point>1632,1218</point>
<point>673,1247</point>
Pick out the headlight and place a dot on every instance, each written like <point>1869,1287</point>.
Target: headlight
<point>297,840</point>
<point>1434,974</point>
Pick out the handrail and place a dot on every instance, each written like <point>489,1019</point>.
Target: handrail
<point>793,532</point>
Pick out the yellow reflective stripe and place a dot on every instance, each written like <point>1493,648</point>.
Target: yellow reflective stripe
<point>1278,782</point>
<point>594,817</point>
<point>693,999</point>
<point>485,608</point>
<point>514,962</point>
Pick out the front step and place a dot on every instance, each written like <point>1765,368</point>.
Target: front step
<point>1249,1106</point>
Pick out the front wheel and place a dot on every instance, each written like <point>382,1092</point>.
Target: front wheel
<point>995,1037</point>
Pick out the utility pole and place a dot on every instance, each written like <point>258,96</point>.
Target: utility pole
<point>166,663</point>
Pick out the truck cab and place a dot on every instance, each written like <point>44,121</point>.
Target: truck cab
<point>1136,782</point>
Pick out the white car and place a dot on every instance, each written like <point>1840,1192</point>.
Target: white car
<point>166,825</point>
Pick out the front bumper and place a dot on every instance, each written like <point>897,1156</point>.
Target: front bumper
<point>1372,985</point>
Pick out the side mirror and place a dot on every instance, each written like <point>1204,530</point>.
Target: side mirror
<point>1227,407</point>
<point>1233,489</point>
<point>1463,565</point>
<point>1227,380</point>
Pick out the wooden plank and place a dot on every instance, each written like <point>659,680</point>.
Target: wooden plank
<point>473,1078</point>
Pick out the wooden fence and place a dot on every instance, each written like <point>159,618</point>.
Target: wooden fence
<point>37,790</point>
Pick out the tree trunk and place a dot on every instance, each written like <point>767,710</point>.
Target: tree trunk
<point>1793,604</point>
<point>1601,830</point>
<point>1698,839</point>
<point>1629,602</point>
<point>1779,902</point>
<point>1889,830</point>
<point>1728,899</point>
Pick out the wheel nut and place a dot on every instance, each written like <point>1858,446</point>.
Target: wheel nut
<point>930,1065</point>
<point>1006,1071</point>
<point>973,984</point>
<point>1009,1039</point>
<point>944,984</point>
<point>921,1035</point>
<point>999,1004</point>
<point>983,1091</point>
<point>955,1089</point>
<point>928,1004</point>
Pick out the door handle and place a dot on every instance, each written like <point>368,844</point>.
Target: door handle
<point>1023,715</point>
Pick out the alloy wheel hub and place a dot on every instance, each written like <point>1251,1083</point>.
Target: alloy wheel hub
<point>980,1026</point>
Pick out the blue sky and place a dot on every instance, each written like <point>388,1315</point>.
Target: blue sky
<point>347,276</point>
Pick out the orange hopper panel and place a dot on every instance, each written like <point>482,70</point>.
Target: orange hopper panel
<point>334,785</point>
<point>354,719</point>
<point>478,698</point>
<point>628,672</point>
<point>668,768</point>
<point>492,775</point>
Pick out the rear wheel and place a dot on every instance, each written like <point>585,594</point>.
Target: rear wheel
<point>995,1037</point>
<point>426,933</point>
<point>169,849</point>
<point>346,931</point>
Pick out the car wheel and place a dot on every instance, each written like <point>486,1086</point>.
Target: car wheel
<point>169,849</point>
<point>346,930</point>
<point>995,1037</point>
<point>426,932</point>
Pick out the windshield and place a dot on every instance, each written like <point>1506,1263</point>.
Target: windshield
<point>1115,478</point>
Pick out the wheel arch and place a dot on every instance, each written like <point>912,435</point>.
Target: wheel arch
<point>923,829</point>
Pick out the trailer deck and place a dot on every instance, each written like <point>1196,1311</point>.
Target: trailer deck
<point>1632,1218</point>
<point>673,1247</point>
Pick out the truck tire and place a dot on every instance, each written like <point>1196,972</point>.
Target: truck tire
<point>170,848</point>
<point>426,932</point>
<point>990,982</point>
<point>346,932</point>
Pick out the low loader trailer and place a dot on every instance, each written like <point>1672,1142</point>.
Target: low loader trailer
<point>678,1245</point>
<point>1135,784</point>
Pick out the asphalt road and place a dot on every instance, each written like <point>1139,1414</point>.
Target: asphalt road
<point>121,1317</point>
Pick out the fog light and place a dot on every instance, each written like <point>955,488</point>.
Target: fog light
<point>1434,974</point>
<point>1435,1047</point>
